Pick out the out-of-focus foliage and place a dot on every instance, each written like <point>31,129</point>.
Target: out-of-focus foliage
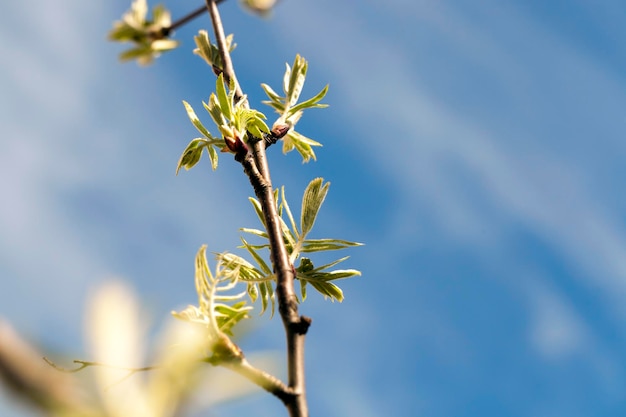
<point>218,309</point>
<point>260,278</point>
<point>260,7</point>
<point>116,381</point>
<point>149,35</point>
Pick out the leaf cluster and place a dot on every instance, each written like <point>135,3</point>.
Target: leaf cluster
<point>260,278</point>
<point>234,120</point>
<point>290,110</point>
<point>149,36</point>
<point>238,123</point>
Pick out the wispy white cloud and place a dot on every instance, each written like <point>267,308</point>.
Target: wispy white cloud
<point>556,330</point>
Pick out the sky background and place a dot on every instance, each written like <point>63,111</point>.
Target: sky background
<point>477,148</point>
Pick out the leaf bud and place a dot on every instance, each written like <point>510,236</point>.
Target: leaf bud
<point>235,145</point>
<point>280,130</point>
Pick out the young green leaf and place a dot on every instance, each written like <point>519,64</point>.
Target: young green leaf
<point>328,289</point>
<point>294,80</point>
<point>286,81</point>
<point>196,121</point>
<point>274,97</point>
<point>212,156</point>
<point>218,310</point>
<point>222,98</point>
<point>203,46</point>
<point>320,245</point>
<point>302,289</point>
<point>258,210</point>
<point>213,109</point>
<point>311,103</point>
<point>266,269</point>
<point>301,143</point>
<point>312,200</point>
<point>192,153</point>
<point>252,121</point>
<point>255,232</point>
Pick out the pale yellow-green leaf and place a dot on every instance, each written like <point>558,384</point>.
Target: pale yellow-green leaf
<point>195,120</point>
<point>312,200</point>
<point>222,98</point>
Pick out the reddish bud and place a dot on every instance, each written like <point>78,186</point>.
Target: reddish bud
<point>278,131</point>
<point>235,145</point>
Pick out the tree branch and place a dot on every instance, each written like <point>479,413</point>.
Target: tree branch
<point>256,167</point>
<point>261,378</point>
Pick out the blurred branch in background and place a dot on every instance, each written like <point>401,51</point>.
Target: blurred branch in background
<point>32,380</point>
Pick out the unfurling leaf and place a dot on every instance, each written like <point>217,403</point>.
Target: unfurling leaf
<point>210,52</point>
<point>294,80</point>
<point>226,105</point>
<point>320,245</point>
<point>321,280</point>
<point>218,310</point>
<point>196,121</point>
<point>312,103</point>
<point>192,154</point>
<point>301,143</point>
<point>260,278</point>
<point>312,200</point>
<point>328,289</point>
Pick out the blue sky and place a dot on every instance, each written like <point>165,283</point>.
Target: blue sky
<point>475,147</point>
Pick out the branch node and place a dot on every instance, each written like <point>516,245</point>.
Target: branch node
<point>301,327</point>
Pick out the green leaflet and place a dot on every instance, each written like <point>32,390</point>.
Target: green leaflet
<point>191,155</point>
<point>193,152</point>
<point>311,103</point>
<point>312,200</point>
<point>196,121</point>
<point>321,279</point>
<point>226,105</point>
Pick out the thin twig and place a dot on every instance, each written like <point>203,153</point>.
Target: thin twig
<point>198,12</point>
<point>85,364</point>
<point>167,31</point>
